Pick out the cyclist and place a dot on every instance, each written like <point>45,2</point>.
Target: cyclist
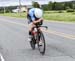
<point>34,16</point>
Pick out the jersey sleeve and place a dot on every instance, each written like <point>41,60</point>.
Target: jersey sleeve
<point>32,17</point>
<point>31,13</point>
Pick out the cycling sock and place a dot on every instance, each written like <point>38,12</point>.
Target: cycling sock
<point>29,32</point>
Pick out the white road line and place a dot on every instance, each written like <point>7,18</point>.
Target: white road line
<point>1,57</point>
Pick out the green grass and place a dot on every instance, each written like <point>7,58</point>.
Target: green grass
<point>60,16</point>
<point>48,15</point>
<point>17,15</point>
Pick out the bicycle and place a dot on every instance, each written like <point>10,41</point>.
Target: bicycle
<point>37,37</point>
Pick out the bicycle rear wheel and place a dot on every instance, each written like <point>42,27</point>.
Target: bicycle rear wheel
<point>41,47</point>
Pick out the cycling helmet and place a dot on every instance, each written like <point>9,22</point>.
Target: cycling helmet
<point>38,13</point>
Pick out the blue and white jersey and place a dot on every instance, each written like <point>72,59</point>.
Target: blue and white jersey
<point>31,14</point>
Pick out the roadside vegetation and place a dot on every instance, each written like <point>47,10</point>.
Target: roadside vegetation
<point>53,11</point>
<point>57,16</point>
<point>17,15</point>
<point>48,15</point>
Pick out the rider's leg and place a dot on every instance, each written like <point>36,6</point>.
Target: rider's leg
<point>30,28</point>
<point>31,25</point>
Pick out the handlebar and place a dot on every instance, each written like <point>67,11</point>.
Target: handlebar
<point>44,27</point>
<point>37,26</point>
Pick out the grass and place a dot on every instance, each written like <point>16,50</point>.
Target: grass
<point>49,15</point>
<point>17,15</point>
<point>70,17</point>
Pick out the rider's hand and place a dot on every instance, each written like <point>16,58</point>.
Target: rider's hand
<point>40,20</point>
<point>34,22</point>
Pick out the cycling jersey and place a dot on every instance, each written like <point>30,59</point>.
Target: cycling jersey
<point>31,15</point>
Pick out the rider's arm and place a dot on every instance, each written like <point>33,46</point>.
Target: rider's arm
<point>39,20</point>
<point>35,21</point>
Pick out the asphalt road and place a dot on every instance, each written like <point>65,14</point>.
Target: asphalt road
<point>14,44</point>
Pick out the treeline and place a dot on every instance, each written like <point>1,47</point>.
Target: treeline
<point>69,6</point>
<point>7,9</point>
<point>59,5</point>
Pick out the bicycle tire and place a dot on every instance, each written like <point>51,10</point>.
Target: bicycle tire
<point>41,36</point>
<point>32,43</point>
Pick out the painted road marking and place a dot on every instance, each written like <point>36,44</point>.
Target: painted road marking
<point>48,31</point>
<point>60,34</point>
<point>1,58</point>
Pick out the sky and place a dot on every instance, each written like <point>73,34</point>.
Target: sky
<point>25,2</point>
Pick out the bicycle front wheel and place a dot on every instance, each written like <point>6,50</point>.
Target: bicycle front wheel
<point>41,44</point>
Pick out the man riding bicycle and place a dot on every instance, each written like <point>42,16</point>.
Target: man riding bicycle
<point>34,16</point>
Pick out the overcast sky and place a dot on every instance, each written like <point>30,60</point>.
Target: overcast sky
<point>26,2</point>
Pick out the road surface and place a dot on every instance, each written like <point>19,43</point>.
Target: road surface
<point>14,45</point>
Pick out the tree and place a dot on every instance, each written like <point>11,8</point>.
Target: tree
<point>73,6</point>
<point>68,4</point>
<point>59,6</point>
<point>45,7</point>
<point>50,5</point>
<point>53,5</point>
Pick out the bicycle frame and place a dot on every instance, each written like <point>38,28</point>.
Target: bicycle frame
<point>38,29</point>
<point>37,35</point>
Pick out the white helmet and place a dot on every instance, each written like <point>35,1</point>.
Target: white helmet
<point>38,13</point>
